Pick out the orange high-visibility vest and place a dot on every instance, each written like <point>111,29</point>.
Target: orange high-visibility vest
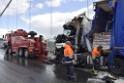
<point>68,50</point>
<point>95,53</point>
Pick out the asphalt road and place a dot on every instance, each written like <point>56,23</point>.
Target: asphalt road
<point>14,69</point>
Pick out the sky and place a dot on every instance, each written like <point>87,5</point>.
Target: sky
<point>45,17</point>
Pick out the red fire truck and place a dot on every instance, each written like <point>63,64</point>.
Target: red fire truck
<point>19,42</point>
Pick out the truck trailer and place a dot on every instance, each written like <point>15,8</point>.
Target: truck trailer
<point>107,30</point>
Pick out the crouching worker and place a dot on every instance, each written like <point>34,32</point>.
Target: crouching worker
<point>68,57</point>
<point>96,53</point>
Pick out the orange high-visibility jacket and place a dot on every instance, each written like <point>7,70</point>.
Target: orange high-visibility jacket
<point>68,51</point>
<point>95,53</point>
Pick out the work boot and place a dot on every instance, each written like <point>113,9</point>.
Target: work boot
<point>71,78</point>
<point>95,72</point>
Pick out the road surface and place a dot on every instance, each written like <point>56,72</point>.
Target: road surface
<point>14,69</point>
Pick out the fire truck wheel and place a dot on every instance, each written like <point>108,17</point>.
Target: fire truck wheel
<point>26,53</point>
<point>10,51</point>
<point>6,50</point>
<point>20,52</point>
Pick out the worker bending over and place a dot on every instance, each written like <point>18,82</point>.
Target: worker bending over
<point>68,56</point>
<point>96,53</point>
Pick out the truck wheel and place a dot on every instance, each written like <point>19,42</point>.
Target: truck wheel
<point>20,52</point>
<point>26,53</point>
<point>119,67</point>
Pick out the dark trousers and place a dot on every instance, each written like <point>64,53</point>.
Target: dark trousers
<point>96,63</point>
<point>70,71</point>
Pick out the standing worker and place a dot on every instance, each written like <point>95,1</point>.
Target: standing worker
<point>68,56</point>
<point>96,53</point>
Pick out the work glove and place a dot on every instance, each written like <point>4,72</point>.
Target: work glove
<point>74,62</point>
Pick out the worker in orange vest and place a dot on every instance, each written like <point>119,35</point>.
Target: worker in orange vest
<point>96,53</point>
<point>68,56</point>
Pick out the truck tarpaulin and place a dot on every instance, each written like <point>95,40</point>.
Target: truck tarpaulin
<point>99,22</point>
<point>117,39</point>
